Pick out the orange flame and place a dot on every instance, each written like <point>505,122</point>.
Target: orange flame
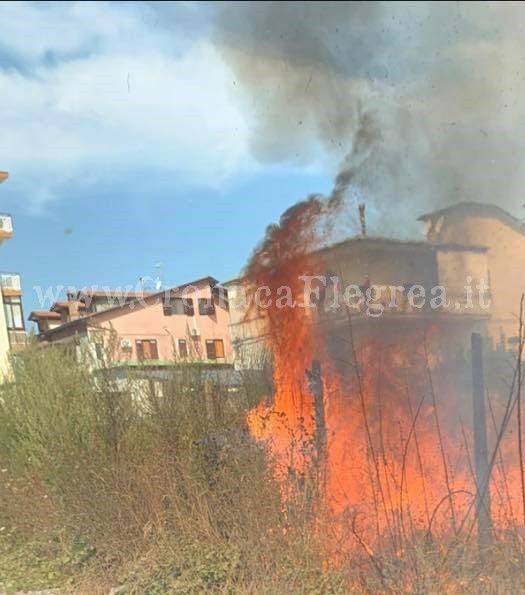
<point>398,460</point>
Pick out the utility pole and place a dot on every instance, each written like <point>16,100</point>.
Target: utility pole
<point>483,508</point>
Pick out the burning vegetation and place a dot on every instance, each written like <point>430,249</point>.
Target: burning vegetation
<point>373,426</point>
<point>388,433</point>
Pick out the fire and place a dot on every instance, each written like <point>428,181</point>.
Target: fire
<point>397,460</point>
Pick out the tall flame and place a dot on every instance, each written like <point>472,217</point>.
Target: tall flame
<point>397,460</point>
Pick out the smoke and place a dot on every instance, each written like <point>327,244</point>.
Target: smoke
<point>305,225</point>
<point>440,85</point>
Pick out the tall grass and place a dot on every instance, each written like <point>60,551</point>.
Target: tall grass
<point>114,481</point>
<point>160,487</point>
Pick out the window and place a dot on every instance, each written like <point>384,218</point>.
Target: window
<point>183,348</point>
<point>173,306</point>
<point>147,349</point>
<point>13,313</point>
<point>220,297</point>
<point>178,305</point>
<point>215,349</point>
<point>206,307</point>
<point>188,307</point>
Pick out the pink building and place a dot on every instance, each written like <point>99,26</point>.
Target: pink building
<point>190,322</point>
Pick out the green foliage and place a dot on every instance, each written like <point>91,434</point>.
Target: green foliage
<point>200,568</point>
<point>41,563</point>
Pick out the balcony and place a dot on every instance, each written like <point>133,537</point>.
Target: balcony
<point>17,340</point>
<point>10,283</point>
<point>396,303</point>
<point>6,226</point>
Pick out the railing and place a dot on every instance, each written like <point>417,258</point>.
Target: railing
<point>6,223</point>
<point>392,301</point>
<point>17,340</point>
<point>11,281</point>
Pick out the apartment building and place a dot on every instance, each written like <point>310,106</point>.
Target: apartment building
<point>464,244</point>
<point>82,303</point>
<point>186,323</point>
<point>12,328</point>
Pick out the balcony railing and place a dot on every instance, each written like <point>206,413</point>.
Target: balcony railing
<point>10,281</point>
<point>392,301</point>
<point>17,340</point>
<point>6,223</point>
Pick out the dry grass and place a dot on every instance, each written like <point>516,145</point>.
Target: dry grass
<point>103,486</point>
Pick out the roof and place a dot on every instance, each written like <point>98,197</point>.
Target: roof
<point>109,293</point>
<point>235,281</point>
<point>37,314</point>
<point>381,242</point>
<point>84,320</point>
<point>211,280</point>
<point>476,209</point>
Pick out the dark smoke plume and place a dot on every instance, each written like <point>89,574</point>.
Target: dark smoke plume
<point>300,227</point>
<point>442,82</point>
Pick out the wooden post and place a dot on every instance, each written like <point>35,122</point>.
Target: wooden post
<point>483,509</point>
<point>316,386</point>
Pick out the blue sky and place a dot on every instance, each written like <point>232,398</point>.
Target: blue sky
<point>126,147</point>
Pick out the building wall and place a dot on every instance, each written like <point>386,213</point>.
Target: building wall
<point>505,267</point>
<point>383,262</point>
<point>247,329</point>
<point>459,270</point>
<point>150,323</point>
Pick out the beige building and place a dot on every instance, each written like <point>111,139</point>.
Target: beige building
<point>503,236</point>
<point>466,247</point>
<point>12,329</point>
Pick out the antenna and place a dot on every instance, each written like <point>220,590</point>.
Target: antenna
<point>159,283</point>
<point>362,218</point>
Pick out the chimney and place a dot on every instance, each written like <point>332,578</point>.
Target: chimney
<point>73,305</point>
<point>362,218</point>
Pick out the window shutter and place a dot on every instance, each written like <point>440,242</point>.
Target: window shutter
<point>140,350</point>
<point>153,350</point>
<point>219,348</point>
<point>210,349</point>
